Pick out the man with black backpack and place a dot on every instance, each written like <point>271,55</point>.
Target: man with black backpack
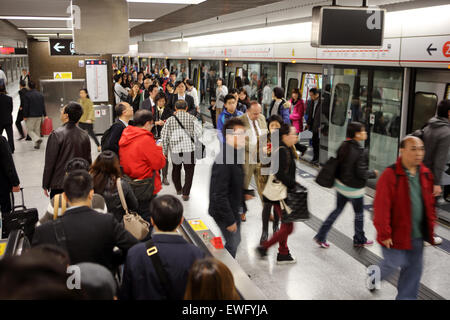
<point>158,269</point>
<point>111,137</point>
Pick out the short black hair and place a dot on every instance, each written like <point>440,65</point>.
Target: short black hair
<point>228,97</point>
<point>117,77</point>
<point>353,128</point>
<point>284,130</point>
<point>231,123</point>
<point>181,105</point>
<point>32,85</point>
<point>170,84</point>
<point>141,117</point>
<point>74,111</point>
<point>151,87</point>
<point>159,96</point>
<point>179,82</point>
<point>77,164</point>
<point>77,185</point>
<point>213,99</point>
<point>22,83</point>
<point>443,108</point>
<point>173,73</point>
<point>189,82</point>
<point>166,211</point>
<point>120,108</point>
<point>273,118</point>
<point>233,91</point>
<point>314,91</point>
<point>278,92</point>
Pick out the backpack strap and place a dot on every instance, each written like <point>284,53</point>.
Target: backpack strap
<point>152,252</point>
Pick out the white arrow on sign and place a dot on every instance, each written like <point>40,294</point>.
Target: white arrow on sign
<point>57,47</point>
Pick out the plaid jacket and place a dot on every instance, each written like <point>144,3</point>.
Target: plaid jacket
<point>177,140</point>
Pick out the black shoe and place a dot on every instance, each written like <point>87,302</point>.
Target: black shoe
<point>185,198</point>
<point>38,144</point>
<point>264,237</point>
<point>21,138</point>
<point>179,192</point>
<point>165,181</point>
<point>285,259</point>
<point>28,139</point>
<point>262,252</point>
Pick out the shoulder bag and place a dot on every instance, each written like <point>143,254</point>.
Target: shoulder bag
<point>133,222</point>
<point>275,190</point>
<point>199,147</point>
<point>56,205</point>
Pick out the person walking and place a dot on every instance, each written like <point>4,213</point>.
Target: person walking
<point>6,120</point>
<point>177,135</point>
<point>33,112</point>
<point>87,119</point>
<point>286,175</point>
<point>350,183</point>
<point>404,216</point>
<point>22,92</point>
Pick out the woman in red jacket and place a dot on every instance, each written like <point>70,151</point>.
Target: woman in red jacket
<point>297,109</point>
<point>141,157</point>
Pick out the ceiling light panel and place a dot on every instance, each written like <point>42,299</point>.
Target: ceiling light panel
<point>169,1</point>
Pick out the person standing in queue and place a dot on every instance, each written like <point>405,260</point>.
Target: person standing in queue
<point>226,193</point>
<point>212,111</point>
<point>313,121</point>
<point>65,143</point>
<point>279,106</point>
<point>350,184</point>
<point>134,98</point>
<point>6,120</point>
<point>221,93</point>
<point>141,158</point>
<point>404,216</point>
<point>87,119</point>
<point>286,174</point>
<point>181,94</point>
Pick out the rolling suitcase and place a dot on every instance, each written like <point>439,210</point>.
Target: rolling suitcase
<point>20,218</point>
<point>47,127</point>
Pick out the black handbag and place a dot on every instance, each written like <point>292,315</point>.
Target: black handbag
<point>199,147</point>
<point>142,188</point>
<point>20,218</point>
<point>295,206</point>
<point>327,174</point>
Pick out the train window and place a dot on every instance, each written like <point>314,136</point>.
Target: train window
<point>447,92</point>
<point>230,83</point>
<point>292,84</point>
<point>425,104</point>
<point>340,102</point>
<point>309,81</point>
<point>195,78</point>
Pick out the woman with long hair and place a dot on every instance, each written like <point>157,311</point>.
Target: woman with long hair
<point>297,110</point>
<point>210,279</point>
<point>87,119</point>
<point>243,97</point>
<point>134,97</point>
<point>105,171</point>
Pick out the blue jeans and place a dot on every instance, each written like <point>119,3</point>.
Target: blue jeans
<point>232,239</point>
<point>358,207</point>
<point>410,263</point>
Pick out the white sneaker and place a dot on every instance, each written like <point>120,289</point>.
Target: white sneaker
<point>437,240</point>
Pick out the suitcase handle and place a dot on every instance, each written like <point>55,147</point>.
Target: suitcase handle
<point>12,201</point>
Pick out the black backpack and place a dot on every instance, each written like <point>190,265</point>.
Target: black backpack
<point>105,138</point>
<point>419,132</point>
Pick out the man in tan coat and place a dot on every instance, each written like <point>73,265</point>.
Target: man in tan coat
<point>256,127</point>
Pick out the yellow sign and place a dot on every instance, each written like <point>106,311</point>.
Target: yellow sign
<point>62,75</point>
<point>349,72</point>
<point>2,248</point>
<point>198,225</point>
<point>293,52</point>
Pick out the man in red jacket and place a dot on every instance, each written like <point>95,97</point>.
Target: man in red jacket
<point>404,216</point>
<point>141,157</point>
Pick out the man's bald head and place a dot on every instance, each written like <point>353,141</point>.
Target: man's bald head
<point>412,151</point>
<point>409,139</point>
<point>254,110</point>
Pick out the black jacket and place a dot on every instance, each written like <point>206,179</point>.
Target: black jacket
<point>135,103</point>
<point>22,93</point>
<point>166,114</point>
<point>112,199</point>
<point>114,136</point>
<point>226,192</point>
<point>147,104</point>
<point>91,236</point>
<point>6,108</point>
<point>287,167</point>
<point>64,144</point>
<point>8,173</point>
<point>34,105</point>
<point>189,100</point>
<point>313,119</point>
<point>140,281</point>
<point>353,168</point>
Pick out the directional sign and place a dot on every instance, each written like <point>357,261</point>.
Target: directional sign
<point>62,47</point>
<point>433,50</point>
<point>430,49</point>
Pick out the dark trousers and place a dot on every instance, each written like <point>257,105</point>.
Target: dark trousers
<point>315,145</point>
<point>358,206</point>
<point>213,118</point>
<point>281,236</point>
<point>54,192</point>
<point>5,203</point>
<point>188,161</point>
<point>232,239</point>
<point>89,127</point>
<point>9,132</point>
<point>18,124</point>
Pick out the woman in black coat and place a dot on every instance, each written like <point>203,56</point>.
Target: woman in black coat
<point>134,97</point>
<point>286,174</point>
<point>6,120</point>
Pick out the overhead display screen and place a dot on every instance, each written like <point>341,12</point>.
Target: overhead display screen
<point>347,27</point>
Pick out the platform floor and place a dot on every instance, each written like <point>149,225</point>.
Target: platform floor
<point>336,273</point>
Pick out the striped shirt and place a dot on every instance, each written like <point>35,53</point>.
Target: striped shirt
<point>349,192</point>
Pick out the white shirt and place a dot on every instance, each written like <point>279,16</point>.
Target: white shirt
<point>182,97</point>
<point>126,124</point>
<point>254,136</point>
<point>3,76</point>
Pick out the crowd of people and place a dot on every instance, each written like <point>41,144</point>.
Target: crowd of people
<point>157,119</point>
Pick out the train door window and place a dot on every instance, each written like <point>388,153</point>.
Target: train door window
<point>238,78</point>
<point>447,91</point>
<point>195,78</point>
<point>340,102</point>
<point>425,104</point>
<point>230,80</point>
<point>309,81</point>
<point>292,84</point>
